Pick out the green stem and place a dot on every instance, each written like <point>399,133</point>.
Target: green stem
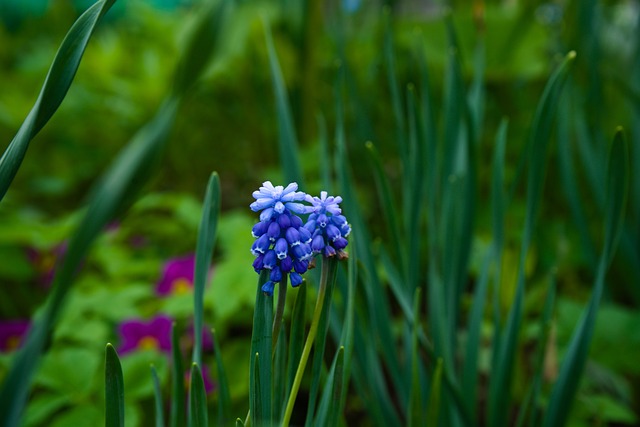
<point>308,344</point>
<point>277,319</point>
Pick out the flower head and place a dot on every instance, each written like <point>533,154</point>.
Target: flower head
<point>11,334</point>
<point>328,227</point>
<point>177,276</point>
<point>154,334</point>
<point>276,200</point>
<point>282,245</point>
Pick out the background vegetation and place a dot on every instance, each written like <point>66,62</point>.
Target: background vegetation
<point>370,89</point>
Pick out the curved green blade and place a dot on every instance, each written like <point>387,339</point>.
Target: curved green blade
<point>204,251</point>
<point>197,399</point>
<point>114,389</point>
<point>566,386</point>
<point>55,87</point>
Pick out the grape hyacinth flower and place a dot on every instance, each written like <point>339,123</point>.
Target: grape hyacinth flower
<point>154,334</point>
<point>282,243</point>
<point>328,227</point>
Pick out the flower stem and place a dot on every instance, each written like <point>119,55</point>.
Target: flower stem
<point>324,275</point>
<point>277,319</point>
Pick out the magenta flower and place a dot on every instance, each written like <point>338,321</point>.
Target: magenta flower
<point>11,334</point>
<point>177,276</point>
<point>154,334</point>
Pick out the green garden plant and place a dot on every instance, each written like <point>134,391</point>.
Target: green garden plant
<point>426,307</point>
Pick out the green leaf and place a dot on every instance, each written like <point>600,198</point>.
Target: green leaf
<point>178,398</point>
<point>296,340</point>
<point>55,87</point>
<point>338,390</point>
<point>387,202</point>
<point>260,387</point>
<point>321,335</point>
<point>415,412</point>
<point>202,42</point>
<point>617,190</point>
<point>433,408</point>
<point>470,368</point>
<point>224,399</point>
<point>287,140</point>
<point>531,400</point>
<point>564,390</point>
<point>157,393</point>
<point>197,399</point>
<point>114,389</point>
<point>204,252</point>
<point>502,370</point>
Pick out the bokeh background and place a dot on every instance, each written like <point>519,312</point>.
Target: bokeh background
<point>137,276</point>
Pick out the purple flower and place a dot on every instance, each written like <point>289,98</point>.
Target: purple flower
<point>275,200</point>
<point>154,334</point>
<point>328,226</point>
<point>11,334</point>
<point>177,276</point>
<point>281,241</point>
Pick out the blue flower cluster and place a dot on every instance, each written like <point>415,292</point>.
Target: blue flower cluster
<point>284,244</point>
<point>328,226</point>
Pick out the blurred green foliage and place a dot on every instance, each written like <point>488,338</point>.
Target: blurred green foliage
<point>228,123</point>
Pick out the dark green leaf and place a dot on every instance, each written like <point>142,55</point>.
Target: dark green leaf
<point>55,87</point>
<point>204,251</point>
<point>198,416</point>
<point>114,389</point>
<point>157,394</point>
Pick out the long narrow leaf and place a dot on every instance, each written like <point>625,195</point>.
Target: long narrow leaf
<point>287,140</point>
<point>178,414</point>
<point>198,416</point>
<point>566,385</point>
<point>204,251</point>
<point>260,387</point>
<point>55,87</point>
<point>157,397</point>
<point>224,399</point>
<point>114,389</point>
<point>500,389</point>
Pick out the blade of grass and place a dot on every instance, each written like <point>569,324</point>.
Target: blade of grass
<point>296,340</point>
<point>198,416</point>
<point>321,337</point>
<point>531,400</point>
<point>260,387</point>
<point>415,413</point>
<point>178,415</point>
<point>114,389</point>
<point>110,196</point>
<point>157,397</point>
<point>224,399</point>
<point>287,140</point>
<point>387,202</point>
<point>380,319</point>
<point>204,252</point>
<point>474,327</point>
<point>279,392</point>
<point>564,390</point>
<point>338,383</point>
<point>59,78</point>
<point>500,388</point>
<point>203,40</point>
<point>433,408</point>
